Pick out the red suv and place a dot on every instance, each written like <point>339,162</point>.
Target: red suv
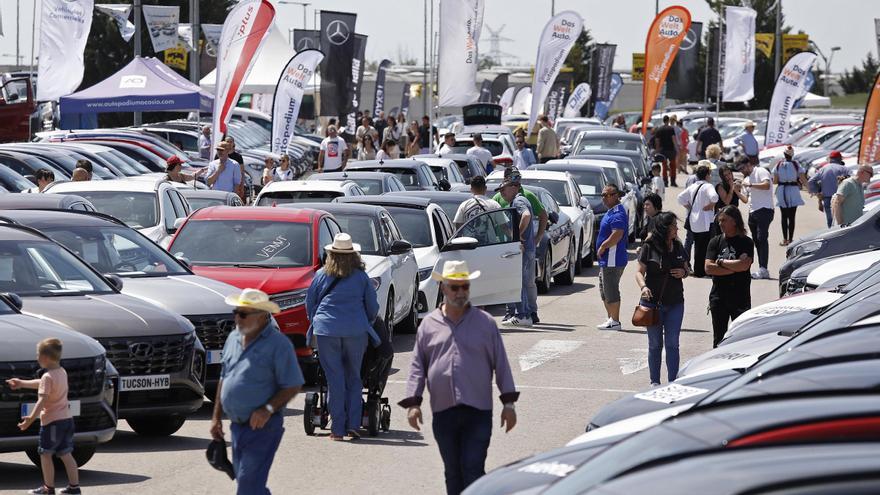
<point>276,250</point>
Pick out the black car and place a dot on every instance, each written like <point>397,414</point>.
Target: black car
<point>45,155</point>
<point>47,201</point>
<point>593,141</point>
<point>591,180</point>
<point>469,166</point>
<point>370,182</point>
<point>415,175</point>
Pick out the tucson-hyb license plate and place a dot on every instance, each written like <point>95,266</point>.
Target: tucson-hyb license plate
<point>146,382</point>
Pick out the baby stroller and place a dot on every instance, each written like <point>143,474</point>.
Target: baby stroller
<point>374,374</point>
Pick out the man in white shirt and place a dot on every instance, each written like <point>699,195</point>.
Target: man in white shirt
<point>205,143</point>
<point>476,205</point>
<point>700,198</point>
<point>485,156</point>
<point>448,143</point>
<point>334,152</point>
<point>760,192</point>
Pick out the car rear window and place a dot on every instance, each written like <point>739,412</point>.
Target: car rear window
<point>278,197</point>
<point>137,210</point>
<point>555,187</point>
<point>250,242</point>
<point>370,186</point>
<point>607,144</point>
<point>494,147</point>
<point>363,231</point>
<point>589,182</point>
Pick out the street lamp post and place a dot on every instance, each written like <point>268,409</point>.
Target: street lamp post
<point>827,61</point>
<point>301,4</point>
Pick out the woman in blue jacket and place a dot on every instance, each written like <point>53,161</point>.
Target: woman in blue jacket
<point>341,304</point>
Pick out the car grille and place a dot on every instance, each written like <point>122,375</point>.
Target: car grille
<point>82,381</point>
<point>149,355</point>
<point>93,416</point>
<point>148,398</point>
<point>212,330</point>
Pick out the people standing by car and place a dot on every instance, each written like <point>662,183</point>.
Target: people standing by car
<point>43,178</point>
<point>448,143</point>
<point>789,177</point>
<point>699,199</point>
<point>652,205</point>
<point>223,174</point>
<point>483,155</point>
<point>548,142</point>
<point>664,143</point>
<point>334,152</point>
<point>730,191</point>
<point>619,122</point>
<point>611,251</point>
<point>708,136</point>
<point>341,304</point>
<point>759,188</point>
<point>368,149</point>
<point>205,143</point>
<point>475,205</point>
<point>387,151</point>
<point>364,129</point>
<point>825,181</point>
<point>391,132</point>
<point>259,376</point>
<point>510,192</point>
<point>728,260</point>
<point>523,156</point>
<point>282,172</point>
<point>428,136</point>
<point>458,348</point>
<point>849,200</point>
<point>658,186</point>
<point>380,124</point>
<point>173,173</point>
<point>662,266</point>
<point>749,144</point>
<point>86,165</point>
<point>235,156</point>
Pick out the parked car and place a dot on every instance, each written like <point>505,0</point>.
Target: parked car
<point>413,174</point>
<point>469,166</point>
<point>371,182</point>
<point>830,273</point>
<point>445,169</point>
<point>557,251</point>
<point>302,191</point>
<point>501,148</point>
<point>46,201</point>
<point>448,200</point>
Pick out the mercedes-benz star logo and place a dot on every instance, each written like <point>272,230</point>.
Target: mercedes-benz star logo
<point>338,32</point>
<point>141,350</point>
<point>689,41</point>
<point>305,44</point>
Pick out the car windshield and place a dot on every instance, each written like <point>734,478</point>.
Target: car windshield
<point>450,207</point>
<point>556,188</point>
<point>363,231</point>
<point>596,143</point>
<point>5,308</point>
<point>116,250</point>
<point>589,182</point>
<point>370,186</point>
<point>278,197</point>
<point>494,147</point>
<point>413,224</point>
<point>43,268</point>
<point>245,242</point>
<point>137,210</point>
<point>199,203</point>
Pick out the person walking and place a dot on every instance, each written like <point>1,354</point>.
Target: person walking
<point>56,421</point>
<point>334,152</point>
<point>748,143</point>
<point>662,267</point>
<point>658,186</point>
<point>341,304</point>
<point>414,138</point>
<point>235,156</point>
<point>824,183</point>
<point>368,150</point>
<point>391,131</point>
<point>759,188</point>
<point>728,260</point>
<point>476,205</point>
<point>548,142</point>
<point>259,376</point>
<point>458,349</point>
<point>665,143</point>
<point>510,192</point>
<point>523,156</point>
<point>708,136</point>
<point>611,250</point>
<point>699,199</point>
<point>789,177</point>
<point>366,128</point>
<point>482,154</point>
<point>223,174</point>
<point>683,148</point>
<point>205,143</point>
<point>849,200</point>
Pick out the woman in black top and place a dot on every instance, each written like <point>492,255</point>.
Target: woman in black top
<point>729,190</point>
<point>662,266</point>
<point>652,205</point>
<point>728,260</point>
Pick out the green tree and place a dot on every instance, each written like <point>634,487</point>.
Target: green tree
<point>579,58</point>
<point>860,79</point>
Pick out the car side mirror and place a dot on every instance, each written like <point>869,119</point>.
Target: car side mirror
<point>114,280</point>
<point>461,244</point>
<point>184,261</point>
<point>553,217</point>
<point>13,299</point>
<point>583,202</point>
<point>444,185</point>
<point>177,224</point>
<point>400,247</point>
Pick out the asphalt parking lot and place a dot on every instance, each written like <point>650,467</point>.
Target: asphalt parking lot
<point>565,368</point>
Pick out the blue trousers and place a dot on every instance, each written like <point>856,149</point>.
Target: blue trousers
<point>341,359</point>
<point>252,454</point>
<point>826,205</point>
<point>462,434</point>
<point>666,332</point>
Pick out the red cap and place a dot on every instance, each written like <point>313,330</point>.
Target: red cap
<point>173,161</point>
<point>835,154</point>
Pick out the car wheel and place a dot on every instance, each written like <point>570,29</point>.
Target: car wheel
<point>81,454</point>
<point>577,259</point>
<point>411,323</point>
<point>567,277</point>
<point>156,426</point>
<point>389,314</point>
<point>544,282</point>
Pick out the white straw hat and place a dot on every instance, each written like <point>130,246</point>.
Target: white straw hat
<point>455,271</point>
<point>253,299</point>
<point>342,244</point>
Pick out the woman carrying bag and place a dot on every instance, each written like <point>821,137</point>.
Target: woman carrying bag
<point>662,266</point>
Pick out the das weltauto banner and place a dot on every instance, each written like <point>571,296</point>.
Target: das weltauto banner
<point>789,87</point>
<point>460,24</point>
<point>64,30</point>
<point>739,49</point>
<point>869,150</point>
<point>579,97</point>
<point>664,38</point>
<point>244,32</point>
<point>556,41</point>
<point>289,94</point>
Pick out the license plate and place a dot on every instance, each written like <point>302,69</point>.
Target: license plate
<point>73,406</point>
<point>215,357</point>
<point>671,393</point>
<point>147,382</point>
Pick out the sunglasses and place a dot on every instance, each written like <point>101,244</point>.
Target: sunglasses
<point>460,287</point>
<point>243,314</point>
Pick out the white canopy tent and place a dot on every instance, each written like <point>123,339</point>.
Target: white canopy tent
<point>813,100</point>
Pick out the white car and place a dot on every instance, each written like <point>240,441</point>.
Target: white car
<point>301,191</point>
<point>831,274</point>
<point>445,168</point>
<point>500,146</point>
<point>155,208</point>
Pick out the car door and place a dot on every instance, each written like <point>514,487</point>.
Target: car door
<point>559,234</point>
<point>496,254</point>
<point>403,267</point>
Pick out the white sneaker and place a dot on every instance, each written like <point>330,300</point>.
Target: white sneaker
<point>516,321</point>
<point>609,325</point>
<point>761,274</point>
<point>604,324</point>
<point>765,273</point>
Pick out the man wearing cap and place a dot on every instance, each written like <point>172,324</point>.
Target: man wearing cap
<point>476,205</point>
<point>748,142</point>
<point>824,183</point>
<point>260,375</point>
<point>458,348</point>
<point>173,173</point>
<point>510,192</point>
<point>224,173</point>
<point>849,200</point>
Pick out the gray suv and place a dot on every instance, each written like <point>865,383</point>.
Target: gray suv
<point>92,382</point>
<point>160,360</point>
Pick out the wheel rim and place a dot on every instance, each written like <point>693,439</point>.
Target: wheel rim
<point>572,260</point>
<point>548,266</point>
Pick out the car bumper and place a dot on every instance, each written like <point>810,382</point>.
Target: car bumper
<point>95,424</point>
<point>185,396</point>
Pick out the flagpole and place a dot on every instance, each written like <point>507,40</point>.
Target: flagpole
<point>718,79</point>
<point>194,21</point>
<point>431,84</point>
<point>138,120</point>
<point>31,72</point>
<point>425,66</point>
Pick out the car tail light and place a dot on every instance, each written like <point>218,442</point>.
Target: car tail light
<point>836,430</point>
<point>503,161</point>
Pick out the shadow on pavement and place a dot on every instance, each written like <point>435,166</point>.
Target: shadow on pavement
<point>540,327</point>
<point>694,330</point>
<point>126,441</point>
<point>567,290</point>
<point>25,476</point>
<point>403,342</point>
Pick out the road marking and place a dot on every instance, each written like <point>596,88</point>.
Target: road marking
<point>542,387</point>
<point>630,365</point>
<point>546,350</point>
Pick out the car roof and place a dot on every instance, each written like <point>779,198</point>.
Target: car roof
<point>256,213</point>
<point>338,208</point>
<point>388,200</point>
<point>205,193</point>
<point>433,195</point>
<point>577,162</point>
<point>616,134</point>
<point>535,174</point>
<point>353,174</point>
<point>451,156</point>
<point>12,232</point>
<point>305,185</point>
<point>38,201</point>
<point>48,218</point>
<point>399,163</point>
<point>123,185</point>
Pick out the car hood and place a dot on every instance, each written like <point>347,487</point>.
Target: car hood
<point>21,333</point>
<point>631,425</point>
<point>736,355</point>
<point>107,315</point>
<point>841,266</point>
<point>819,234</point>
<point>788,313</point>
<point>182,294</point>
<point>268,280</point>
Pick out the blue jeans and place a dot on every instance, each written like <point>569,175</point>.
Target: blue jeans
<point>253,452</point>
<point>524,308</point>
<point>826,205</point>
<point>668,330</point>
<point>341,359</point>
<point>462,434</point>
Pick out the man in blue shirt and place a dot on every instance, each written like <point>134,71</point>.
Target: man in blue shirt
<point>260,376</point>
<point>224,173</point>
<point>824,183</point>
<point>510,192</point>
<point>748,142</point>
<point>611,242</point>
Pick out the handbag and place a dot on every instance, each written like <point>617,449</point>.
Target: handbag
<point>687,219</point>
<point>647,316</point>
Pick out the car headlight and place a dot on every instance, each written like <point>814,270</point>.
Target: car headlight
<point>425,274</point>
<point>796,285</point>
<point>289,300</point>
<point>808,248</point>
<point>377,282</point>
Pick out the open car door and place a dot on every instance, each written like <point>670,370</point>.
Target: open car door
<point>489,243</point>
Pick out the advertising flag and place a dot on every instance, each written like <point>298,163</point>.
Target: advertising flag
<point>579,97</point>
<point>177,57</point>
<point>739,49</point>
<point>716,60</point>
<point>404,99</point>
<point>460,24</point>
<point>664,38</point>
<point>499,86</point>
<point>379,95</point>
<point>185,35</point>
<point>602,65</point>
<point>244,32</point>
<point>357,82</point>
<point>869,149</point>
<point>289,95</point>
<point>792,44</point>
<point>808,85</point>
<point>764,43</point>
<point>556,98</point>
<point>506,100</point>
<point>306,39</point>
<point>162,22</point>
<point>64,30</point>
<point>638,67</point>
<point>486,91</point>
<point>789,87</point>
<point>602,107</point>
<point>212,37</point>
<point>556,41</point>
<point>681,83</point>
<point>337,43</point>
<point>119,12</point>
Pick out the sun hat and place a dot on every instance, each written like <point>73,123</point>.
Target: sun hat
<point>223,145</point>
<point>750,124</point>
<point>253,299</point>
<point>218,459</point>
<point>342,244</point>
<point>455,271</point>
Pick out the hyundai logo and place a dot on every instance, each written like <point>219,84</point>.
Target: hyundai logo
<point>338,32</point>
<point>141,350</point>
<point>305,44</point>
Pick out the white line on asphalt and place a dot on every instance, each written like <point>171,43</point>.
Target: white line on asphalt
<point>630,365</point>
<point>541,387</point>
<point>546,350</point>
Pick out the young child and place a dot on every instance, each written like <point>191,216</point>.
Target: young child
<point>56,423</point>
<point>657,185</point>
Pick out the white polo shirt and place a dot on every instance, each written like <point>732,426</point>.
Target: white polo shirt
<point>700,219</point>
<point>760,198</point>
